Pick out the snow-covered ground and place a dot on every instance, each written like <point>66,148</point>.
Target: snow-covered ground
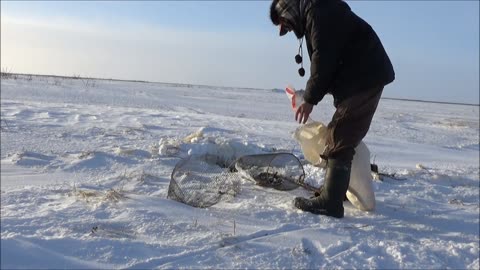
<point>83,184</point>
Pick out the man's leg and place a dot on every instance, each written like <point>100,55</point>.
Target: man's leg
<point>348,127</point>
<point>350,124</point>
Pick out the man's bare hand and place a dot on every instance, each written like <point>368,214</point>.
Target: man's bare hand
<point>303,112</point>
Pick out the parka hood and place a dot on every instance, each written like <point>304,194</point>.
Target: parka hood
<point>293,11</point>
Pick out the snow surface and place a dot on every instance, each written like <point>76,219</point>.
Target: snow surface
<point>86,164</point>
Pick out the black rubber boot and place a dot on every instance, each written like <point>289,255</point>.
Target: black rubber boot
<point>330,200</point>
<point>319,190</point>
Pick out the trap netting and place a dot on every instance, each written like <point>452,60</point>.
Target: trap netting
<point>203,181</point>
<point>282,171</point>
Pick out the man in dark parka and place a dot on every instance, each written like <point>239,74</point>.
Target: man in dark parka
<point>349,62</point>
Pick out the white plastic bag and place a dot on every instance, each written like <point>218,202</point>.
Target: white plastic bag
<point>312,138</point>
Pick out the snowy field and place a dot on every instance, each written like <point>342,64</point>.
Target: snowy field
<point>83,184</point>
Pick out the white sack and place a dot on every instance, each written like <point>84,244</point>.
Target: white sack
<point>312,137</point>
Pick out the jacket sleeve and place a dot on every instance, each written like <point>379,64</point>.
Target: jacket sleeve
<point>329,29</point>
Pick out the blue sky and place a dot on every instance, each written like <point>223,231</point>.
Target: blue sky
<point>434,45</point>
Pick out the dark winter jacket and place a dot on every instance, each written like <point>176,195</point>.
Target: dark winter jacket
<point>345,52</point>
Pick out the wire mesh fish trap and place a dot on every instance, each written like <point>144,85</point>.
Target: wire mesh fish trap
<point>282,171</point>
<point>204,181</point>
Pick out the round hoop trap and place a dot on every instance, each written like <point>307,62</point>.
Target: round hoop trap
<point>282,171</point>
<point>203,181</point>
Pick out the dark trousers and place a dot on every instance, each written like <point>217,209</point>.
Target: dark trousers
<point>350,124</point>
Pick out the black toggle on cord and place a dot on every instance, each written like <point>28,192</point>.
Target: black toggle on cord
<point>299,58</point>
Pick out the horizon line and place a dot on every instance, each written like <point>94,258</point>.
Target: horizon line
<point>225,87</point>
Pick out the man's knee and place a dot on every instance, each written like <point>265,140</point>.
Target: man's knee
<point>344,153</point>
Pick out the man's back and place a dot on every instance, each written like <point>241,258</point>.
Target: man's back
<point>354,54</point>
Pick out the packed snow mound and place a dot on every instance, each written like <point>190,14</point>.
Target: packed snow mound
<point>206,141</point>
